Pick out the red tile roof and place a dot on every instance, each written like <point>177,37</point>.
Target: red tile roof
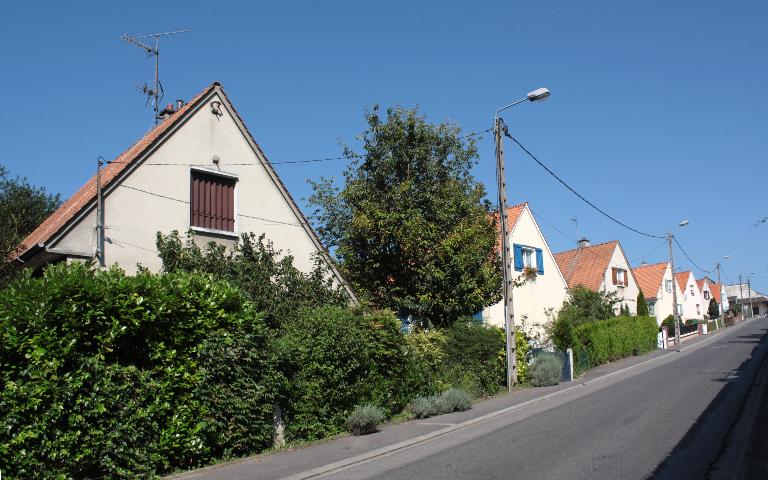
<point>513,215</point>
<point>649,278</point>
<point>87,193</point>
<point>586,266</point>
<point>682,279</point>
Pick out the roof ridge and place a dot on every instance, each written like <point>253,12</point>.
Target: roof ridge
<point>589,246</point>
<point>84,195</point>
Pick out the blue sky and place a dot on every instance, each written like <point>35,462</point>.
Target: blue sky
<point>658,109</point>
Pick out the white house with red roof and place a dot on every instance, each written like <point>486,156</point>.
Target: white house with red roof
<point>200,170</point>
<point>546,291</point>
<point>692,301</point>
<point>602,267</point>
<point>656,282</point>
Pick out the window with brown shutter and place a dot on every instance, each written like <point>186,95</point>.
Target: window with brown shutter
<point>212,201</point>
<point>613,275</point>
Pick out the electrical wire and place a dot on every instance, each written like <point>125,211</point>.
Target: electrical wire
<point>654,249</point>
<point>615,220</point>
<point>689,258</point>
<point>186,202</point>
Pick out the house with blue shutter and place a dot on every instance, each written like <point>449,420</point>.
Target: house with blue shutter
<point>545,289</point>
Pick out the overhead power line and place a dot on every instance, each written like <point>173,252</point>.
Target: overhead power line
<point>279,222</point>
<point>689,258</point>
<point>647,254</point>
<point>584,199</point>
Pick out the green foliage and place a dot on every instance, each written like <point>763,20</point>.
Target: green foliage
<point>642,305</point>
<point>410,227</point>
<point>337,358</point>
<point>669,322</point>
<point>608,340</point>
<point>582,306</point>
<point>106,375</point>
<point>364,419</point>
<point>474,358</point>
<point>546,369</point>
<point>713,311</point>
<point>271,281</point>
<point>22,208</point>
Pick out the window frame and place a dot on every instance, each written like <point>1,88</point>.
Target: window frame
<point>235,233</point>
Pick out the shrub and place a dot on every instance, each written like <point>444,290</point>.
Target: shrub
<point>546,369</point>
<point>364,419</point>
<point>669,322</point>
<point>608,340</point>
<point>474,358</point>
<point>107,375</point>
<point>451,400</point>
<point>336,358</point>
<point>455,400</point>
<point>423,407</point>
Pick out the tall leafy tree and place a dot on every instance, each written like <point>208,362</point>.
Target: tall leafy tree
<point>22,208</point>
<point>409,227</point>
<point>642,305</point>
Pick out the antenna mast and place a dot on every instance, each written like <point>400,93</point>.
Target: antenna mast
<point>155,93</point>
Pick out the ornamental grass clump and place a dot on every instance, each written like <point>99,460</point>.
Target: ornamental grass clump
<point>364,419</point>
<point>545,369</point>
<point>423,407</point>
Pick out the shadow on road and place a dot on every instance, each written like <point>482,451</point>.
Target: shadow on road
<point>706,441</point>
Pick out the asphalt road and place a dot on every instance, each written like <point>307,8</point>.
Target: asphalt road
<point>674,419</point>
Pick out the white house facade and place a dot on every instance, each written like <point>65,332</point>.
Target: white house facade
<point>200,170</point>
<point>546,292</point>
<point>657,283</point>
<point>692,301</point>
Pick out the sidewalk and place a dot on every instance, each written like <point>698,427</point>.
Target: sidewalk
<point>300,462</point>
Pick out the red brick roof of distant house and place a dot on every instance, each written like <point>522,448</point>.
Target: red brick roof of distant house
<point>586,266</point>
<point>649,278</point>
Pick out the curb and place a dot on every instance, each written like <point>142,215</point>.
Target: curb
<point>396,447</point>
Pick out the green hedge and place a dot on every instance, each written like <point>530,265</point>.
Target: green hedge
<point>607,340</point>
<point>337,359</point>
<point>106,375</point>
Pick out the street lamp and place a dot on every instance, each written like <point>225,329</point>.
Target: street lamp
<point>499,126</point>
<point>675,313</point>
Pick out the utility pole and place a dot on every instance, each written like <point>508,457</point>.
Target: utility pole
<point>675,313</point>
<point>749,291</point>
<point>741,297</point>
<point>99,214</point>
<point>720,286</point>
<point>509,315</point>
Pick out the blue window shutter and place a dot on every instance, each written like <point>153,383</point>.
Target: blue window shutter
<point>539,261</point>
<point>518,257</point>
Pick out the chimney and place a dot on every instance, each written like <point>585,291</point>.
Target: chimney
<point>167,112</point>
<point>179,103</point>
<point>584,242</point>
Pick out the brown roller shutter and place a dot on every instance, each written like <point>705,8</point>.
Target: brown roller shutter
<point>613,275</point>
<point>212,202</point>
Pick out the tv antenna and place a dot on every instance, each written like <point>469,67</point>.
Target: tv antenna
<point>154,93</point>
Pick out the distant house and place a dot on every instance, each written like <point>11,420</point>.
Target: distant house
<point>717,292</point>
<point>200,170</point>
<point>601,267</point>
<point>656,283</point>
<point>752,302</point>
<point>692,301</point>
<point>546,291</point>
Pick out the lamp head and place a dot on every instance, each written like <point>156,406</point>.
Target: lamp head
<point>683,223</point>
<point>538,95</point>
